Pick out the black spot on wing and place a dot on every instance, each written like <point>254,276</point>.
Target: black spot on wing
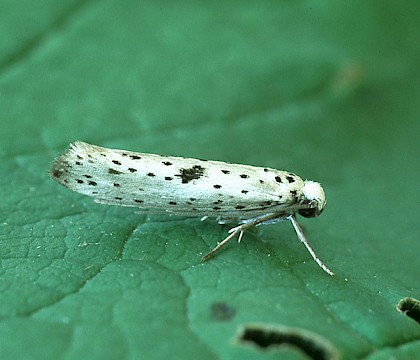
<point>57,173</point>
<point>290,179</point>
<point>114,172</point>
<point>193,173</point>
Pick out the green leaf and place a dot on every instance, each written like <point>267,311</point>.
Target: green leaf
<point>326,90</point>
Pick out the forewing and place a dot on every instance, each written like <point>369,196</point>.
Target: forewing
<point>173,184</point>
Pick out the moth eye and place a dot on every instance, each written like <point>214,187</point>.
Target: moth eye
<point>311,212</point>
<point>314,210</point>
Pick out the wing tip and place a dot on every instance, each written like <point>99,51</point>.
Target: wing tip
<point>59,169</point>
<point>60,166</point>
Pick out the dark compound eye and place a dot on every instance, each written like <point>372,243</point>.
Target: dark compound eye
<point>311,212</point>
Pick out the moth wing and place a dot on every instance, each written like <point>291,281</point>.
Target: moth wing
<point>175,185</point>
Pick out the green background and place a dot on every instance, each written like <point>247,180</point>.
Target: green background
<point>326,89</point>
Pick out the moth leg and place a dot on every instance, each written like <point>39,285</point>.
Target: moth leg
<point>220,220</point>
<point>232,234</point>
<point>267,219</point>
<point>302,238</point>
<point>240,236</point>
<point>267,222</point>
<point>240,230</point>
<point>224,220</point>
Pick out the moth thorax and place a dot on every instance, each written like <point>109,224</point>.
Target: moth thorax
<point>314,194</point>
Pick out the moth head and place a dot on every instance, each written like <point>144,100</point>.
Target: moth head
<point>313,195</point>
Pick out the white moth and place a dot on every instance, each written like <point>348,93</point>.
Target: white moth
<point>180,186</point>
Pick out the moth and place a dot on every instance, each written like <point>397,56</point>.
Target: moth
<point>249,195</point>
